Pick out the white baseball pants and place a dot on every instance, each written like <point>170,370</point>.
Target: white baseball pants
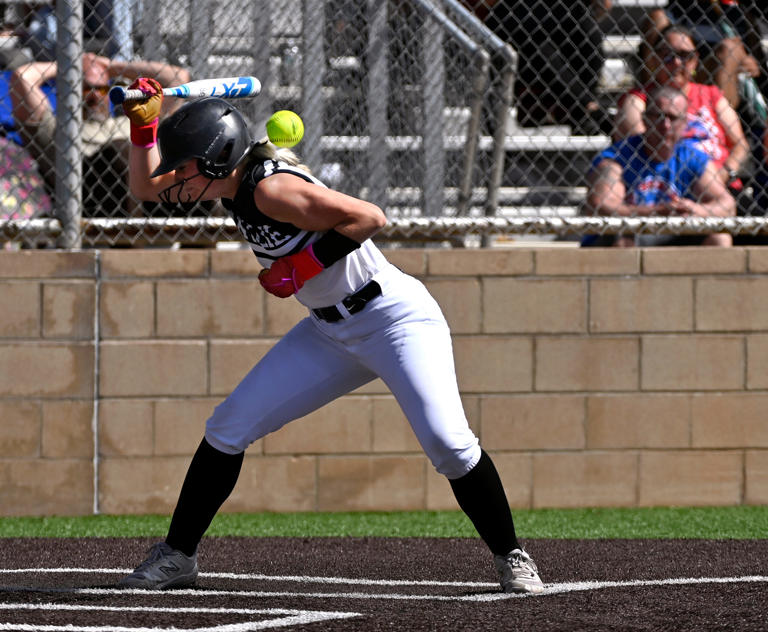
<point>401,337</point>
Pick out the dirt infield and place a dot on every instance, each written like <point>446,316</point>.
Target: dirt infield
<point>389,584</point>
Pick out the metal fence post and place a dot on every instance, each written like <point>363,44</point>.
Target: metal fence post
<point>200,26</point>
<point>432,118</point>
<point>312,76</point>
<point>69,118</point>
<point>378,96</point>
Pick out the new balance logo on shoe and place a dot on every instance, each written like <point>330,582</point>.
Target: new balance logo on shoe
<point>164,567</point>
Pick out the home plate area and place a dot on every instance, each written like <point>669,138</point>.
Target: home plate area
<point>387,583</point>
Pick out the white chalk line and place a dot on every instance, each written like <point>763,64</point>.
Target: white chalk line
<point>259,577</point>
<point>286,618</point>
<point>550,589</point>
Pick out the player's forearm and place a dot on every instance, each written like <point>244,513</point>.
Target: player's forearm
<point>722,206</point>
<point>143,160</point>
<point>623,210</point>
<point>27,98</point>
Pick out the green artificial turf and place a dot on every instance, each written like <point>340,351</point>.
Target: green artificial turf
<point>740,522</point>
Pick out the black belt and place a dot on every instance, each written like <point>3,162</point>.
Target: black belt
<point>354,303</point>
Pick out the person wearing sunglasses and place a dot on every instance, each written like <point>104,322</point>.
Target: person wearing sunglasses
<point>713,125</point>
<point>105,137</point>
<point>653,174</point>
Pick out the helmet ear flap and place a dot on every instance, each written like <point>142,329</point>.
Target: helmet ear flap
<point>219,166</point>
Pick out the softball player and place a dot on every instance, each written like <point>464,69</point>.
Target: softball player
<point>366,319</point>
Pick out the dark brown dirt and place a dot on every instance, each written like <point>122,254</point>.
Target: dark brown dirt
<point>35,599</point>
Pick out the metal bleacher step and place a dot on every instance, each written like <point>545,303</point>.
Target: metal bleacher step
<point>512,201</point>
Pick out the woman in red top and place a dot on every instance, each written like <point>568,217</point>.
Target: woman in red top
<point>712,122</point>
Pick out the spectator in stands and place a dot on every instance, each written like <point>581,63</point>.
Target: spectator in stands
<point>713,125</point>
<point>654,174</point>
<point>105,137</point>
<point>718,29</point>
<point>38,33</point>
<point>22,193</point>
<point>560,58</point>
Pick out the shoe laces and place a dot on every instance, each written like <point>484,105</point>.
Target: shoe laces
<point>156,552</point>
<point>521,559</point>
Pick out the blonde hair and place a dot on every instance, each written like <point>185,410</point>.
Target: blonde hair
<point>267,151</point>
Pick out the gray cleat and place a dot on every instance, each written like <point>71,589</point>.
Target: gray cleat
<point>518,573</point>
<point>164,568</point>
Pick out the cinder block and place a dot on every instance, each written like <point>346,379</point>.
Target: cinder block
<point>68,310</point>
<point>205,308</point>
<point>516,473</point>
<point>371,483</point>
<point>534,305</point>
<point>757,259</point>
<point>756,472</point>
<point>279,483</point>
<point>514,470</point>
<point>231,360</point>
<point>694,478</point>
<point>589,479</point>
<point>239,263</point>
<point>696,362</point>
<point>21,435</point>
<point>185,308</point>
<point>127,309</point>
<point>638,421</point>
<point>141,485</point>
<point>439,493</point>
<point>153,368</point>
<point>412,261</point>
<point>180,425</point>
<point>116,263</point>
<point>343,426</point>
<point>46,369</point>
<point>732,304</point>
<point>588,262</point>
<point>587,364</point>
<point>47,264</point>
<point>479,262</point>
<point>20,309</point>
<point>282,314</point>
<point>67,429</point>
<point>729,421</point>
<point>391,431</point>
<point>46,487</point>
<point>640,305</point>
<point>532,423</point>
<point>126,427</point>
<point>685,260</point>
<point>757,361</point>
<point>493,363</point>
<point>460,302</point>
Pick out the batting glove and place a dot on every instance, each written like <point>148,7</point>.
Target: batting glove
<point>288,274</point>
<point>144,114</point>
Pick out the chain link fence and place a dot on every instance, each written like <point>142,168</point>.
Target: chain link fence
<point>458,117</point>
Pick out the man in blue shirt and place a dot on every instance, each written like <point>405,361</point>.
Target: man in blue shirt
<point>657,173</point>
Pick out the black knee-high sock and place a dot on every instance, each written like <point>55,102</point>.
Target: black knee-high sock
<point>481,496</point>
<point>209,482</point>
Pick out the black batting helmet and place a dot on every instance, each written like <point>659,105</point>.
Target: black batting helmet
<point>209,129</point>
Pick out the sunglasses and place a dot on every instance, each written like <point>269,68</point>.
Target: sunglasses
<point>683,55</point>
<point>103,90</point>
<point>658,116</point>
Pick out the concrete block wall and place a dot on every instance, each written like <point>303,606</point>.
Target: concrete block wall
<point>594,377</point>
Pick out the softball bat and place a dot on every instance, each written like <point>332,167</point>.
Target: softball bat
<point>222,87</point>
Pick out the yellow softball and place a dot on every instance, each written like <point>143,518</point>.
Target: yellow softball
<point>285,128</point>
